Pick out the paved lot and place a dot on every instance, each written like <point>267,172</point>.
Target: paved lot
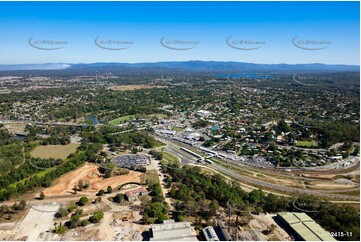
<point>36,222</point>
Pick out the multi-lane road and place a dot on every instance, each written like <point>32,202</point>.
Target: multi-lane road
<point>7,121</point>
<point>174,148</point>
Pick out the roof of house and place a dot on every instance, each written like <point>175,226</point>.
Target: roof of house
<point>135,192</point>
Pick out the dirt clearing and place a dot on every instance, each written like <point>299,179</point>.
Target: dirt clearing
<point>36,223</point>
<point>89,173</point>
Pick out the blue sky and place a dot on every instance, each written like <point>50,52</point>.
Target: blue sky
<point>273,24</point>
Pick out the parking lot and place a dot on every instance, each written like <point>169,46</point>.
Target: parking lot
<point>36,223</point>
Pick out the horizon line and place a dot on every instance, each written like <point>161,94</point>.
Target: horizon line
<point>153,62</point>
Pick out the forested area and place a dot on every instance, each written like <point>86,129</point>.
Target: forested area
<point>28,176</point>
<point>202,193</point>
<point>339,132</point>
<point>11,155</point>
<point>22,173</point>
<point>156,210</point>
<point>119,137</point>
<point>4,135</point>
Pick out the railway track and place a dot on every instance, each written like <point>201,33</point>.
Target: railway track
<point>185,157</point>
<point>278,187</point>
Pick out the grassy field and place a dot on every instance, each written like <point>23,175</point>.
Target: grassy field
<point>157,115</point>
<point>152,176</point>
<point>120,120</point>
<point>354,193</point>
<point>311,143</point>
<point>123,119</point>
<point>54,151</point>
<point>16,127</point>
<point>169,157</point>
<point>178,129</point>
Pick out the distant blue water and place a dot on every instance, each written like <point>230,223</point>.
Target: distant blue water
<point>93,119</point>
<point>244,75</point>
<point>214,128</point>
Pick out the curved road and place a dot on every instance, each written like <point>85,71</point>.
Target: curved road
<point>188,158</point>
<point>260,183</point>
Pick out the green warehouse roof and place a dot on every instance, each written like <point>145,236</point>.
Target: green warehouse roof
<point>306,227</point>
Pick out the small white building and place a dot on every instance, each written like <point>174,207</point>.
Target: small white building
<point>210,234</point>
<point>203,112</point>
<point>193,136</point>
<point>336,157</point>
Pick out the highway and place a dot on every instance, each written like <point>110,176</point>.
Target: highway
<point>264,184</point>
<point>6,121</point>
<point>186,158</point>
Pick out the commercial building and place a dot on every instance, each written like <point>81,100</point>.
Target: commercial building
<point>171,230</point>
<point>303,227</point>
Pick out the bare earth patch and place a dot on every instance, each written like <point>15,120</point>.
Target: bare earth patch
<point>54,151</point>
<point>90,173</point>
<point>16,127</point>
<point>278,180</point>
<point>36,223</point>
<point>329,186</point>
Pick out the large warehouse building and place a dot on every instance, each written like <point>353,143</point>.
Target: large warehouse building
<point>304,227</point>
<point>171,230</point>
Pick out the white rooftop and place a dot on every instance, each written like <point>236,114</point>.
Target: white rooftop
<point>171,230</point>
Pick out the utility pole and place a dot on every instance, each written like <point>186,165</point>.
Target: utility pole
<point>229,218</point>
<point>236,231</point>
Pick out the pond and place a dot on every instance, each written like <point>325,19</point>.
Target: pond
<point>93,119</point>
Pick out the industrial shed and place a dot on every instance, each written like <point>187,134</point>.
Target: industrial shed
<point>304,227</point>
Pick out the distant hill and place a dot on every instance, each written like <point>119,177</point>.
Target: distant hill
<point>193,66</point>
<point>49,66</point>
